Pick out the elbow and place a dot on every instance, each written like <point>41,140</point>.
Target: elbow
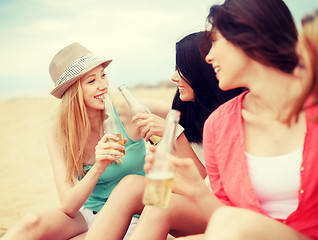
<point>69,211</point>
<point>68,208</point>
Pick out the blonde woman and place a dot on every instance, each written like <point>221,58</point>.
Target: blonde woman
<point>308,42</point>
<point>83,160</point>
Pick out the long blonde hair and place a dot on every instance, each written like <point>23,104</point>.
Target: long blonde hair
<point>308,43</point>
<point>73,129</point>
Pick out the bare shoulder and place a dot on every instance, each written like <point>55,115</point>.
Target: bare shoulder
<point>157,106</point>
<point>121,106</point>
<point>160,107</point>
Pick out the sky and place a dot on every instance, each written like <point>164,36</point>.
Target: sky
<point>139,35</point>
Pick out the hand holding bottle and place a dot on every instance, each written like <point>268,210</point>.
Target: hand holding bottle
<point>187,179</point>
<point>159,178</point>
<point>107,151</point>
<point>149,124</point>
<point>137,107</point>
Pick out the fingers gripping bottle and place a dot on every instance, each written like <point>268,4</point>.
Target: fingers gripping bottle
<point>111,123</point>
<point>160,178</point>
<point>137,107</point>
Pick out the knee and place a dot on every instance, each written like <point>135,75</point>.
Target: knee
<point>131,180</point>
<point>131,188</point>
<point>134,183</point>
<point>231,217</point>
<point>223,214</point>
<point>30,221</point>
<point>25,229</point>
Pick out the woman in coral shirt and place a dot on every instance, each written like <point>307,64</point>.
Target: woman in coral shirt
<point>261,161</point>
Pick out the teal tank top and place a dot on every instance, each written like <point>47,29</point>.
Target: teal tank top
<point>133,163</point>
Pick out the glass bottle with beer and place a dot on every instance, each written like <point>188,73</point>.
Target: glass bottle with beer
<point>159,179</point>
<point>111,123</point>
<point>135,107</point>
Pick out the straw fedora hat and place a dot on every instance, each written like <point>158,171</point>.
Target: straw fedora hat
<point>70,64</point>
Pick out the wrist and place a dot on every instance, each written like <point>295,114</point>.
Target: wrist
<point>98,168</point>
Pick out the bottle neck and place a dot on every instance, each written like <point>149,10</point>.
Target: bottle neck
<point>128,96</point>
<point>108,107</point>
<point>167,142</point>
<point>134,105</point>
<point>111,123</point>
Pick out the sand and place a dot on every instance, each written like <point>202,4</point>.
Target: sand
<point>27,183</point>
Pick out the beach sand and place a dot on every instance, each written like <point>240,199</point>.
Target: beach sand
<point>27,183</point>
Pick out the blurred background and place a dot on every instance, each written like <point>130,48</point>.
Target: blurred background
<point>139,35</point>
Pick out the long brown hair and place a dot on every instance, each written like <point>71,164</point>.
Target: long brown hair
<point>73,128</point>
<point>263,29</point>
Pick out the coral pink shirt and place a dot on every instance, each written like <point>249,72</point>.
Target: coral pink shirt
<point>226,165</point>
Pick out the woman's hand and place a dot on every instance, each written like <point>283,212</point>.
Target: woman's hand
<point>149,124</point>
<point>108,150</point>
<point>187,180</point>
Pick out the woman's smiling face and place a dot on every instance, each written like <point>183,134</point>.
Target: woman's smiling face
<point>185,90</point>
<point>94,85</point>
<point>228,61</point>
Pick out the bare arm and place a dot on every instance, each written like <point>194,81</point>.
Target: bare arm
<point>73,196</point>
<point>150,124</point>
<point>184,150</point>
<point>188,182</point>
<point>155,123</point>
<point>158,107</point>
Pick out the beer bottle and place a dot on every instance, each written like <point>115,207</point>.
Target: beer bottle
<point>111,123</point>
<point>160,178</point>
<point>137,107</point>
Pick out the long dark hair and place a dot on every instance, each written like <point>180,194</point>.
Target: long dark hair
<point>190,62</point>
<point>263,29</point>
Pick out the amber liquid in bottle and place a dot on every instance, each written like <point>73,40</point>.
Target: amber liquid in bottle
<point>159,179</point>
<point>121,142</point>
<point>111,124</point>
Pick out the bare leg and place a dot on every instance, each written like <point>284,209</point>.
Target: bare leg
<point>79,237</point>
<point>125,200</point>
<point>247,225</point>
<point>47,225</point>
<point>182,217</point>
<point>193,237</point>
